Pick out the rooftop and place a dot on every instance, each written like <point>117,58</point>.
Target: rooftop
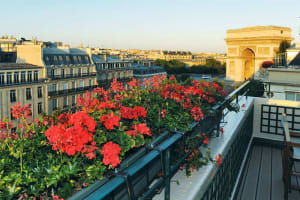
<point>14,66</point>
<point>72,51</point>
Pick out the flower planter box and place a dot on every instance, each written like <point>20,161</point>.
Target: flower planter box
<point>142,174</point>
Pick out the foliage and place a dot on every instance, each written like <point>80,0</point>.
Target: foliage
<point>211,66</point>
<point>172,66</point>
<point>255,88</point>
<point>58,156</point>
<point>283,46</point>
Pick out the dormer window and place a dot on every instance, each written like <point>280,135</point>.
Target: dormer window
<point>55,58</point>
<point>47,58</point>
<point>60,58</point>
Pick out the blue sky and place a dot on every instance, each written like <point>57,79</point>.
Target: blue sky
<point>196,25</point>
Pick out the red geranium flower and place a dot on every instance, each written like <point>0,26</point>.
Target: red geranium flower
<point>197,113</point>
<point>116,86</point>
<point>142,129</point>
<point>110,120</point>
<point>218,159</point>
<point>110,152</point>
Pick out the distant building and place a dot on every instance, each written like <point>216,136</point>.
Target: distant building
<point>248,48</point>
<point>24,83</point>
<point>109,67</point>
<point>69,73</point>
<point>292,52</point>
<point>8,49</point>
<point>283,82</point>
<point>142,71</point>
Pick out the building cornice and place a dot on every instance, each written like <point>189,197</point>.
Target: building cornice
<point>259,38</point>
<point>258,28</point>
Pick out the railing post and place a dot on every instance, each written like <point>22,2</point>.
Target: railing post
<point>167,174</point>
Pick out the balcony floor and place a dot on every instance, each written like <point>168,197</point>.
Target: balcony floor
<point>262,178</point>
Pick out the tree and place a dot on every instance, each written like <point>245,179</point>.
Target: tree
<point>283,46</point>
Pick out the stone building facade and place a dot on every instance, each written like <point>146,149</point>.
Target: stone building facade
<point>68,73</point>
<point>23,83</point>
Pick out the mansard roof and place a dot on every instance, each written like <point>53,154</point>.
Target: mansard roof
<point>18,66</point>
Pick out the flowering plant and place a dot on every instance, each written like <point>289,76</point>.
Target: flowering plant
<point>267,64</point>
<point>59,155</point>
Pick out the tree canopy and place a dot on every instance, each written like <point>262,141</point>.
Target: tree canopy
<point>283,46</point>
<point>211,66</point>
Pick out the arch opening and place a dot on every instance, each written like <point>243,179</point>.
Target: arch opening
<point>248,63</point>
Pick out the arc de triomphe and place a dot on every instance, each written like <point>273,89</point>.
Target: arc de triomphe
<point>248,47</point>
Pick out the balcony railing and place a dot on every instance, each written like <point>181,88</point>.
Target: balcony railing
<point>116,69</point>
<point>71,91</point>
<point>68,76</point>
<point>22,83</point>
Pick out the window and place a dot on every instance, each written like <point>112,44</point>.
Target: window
<point>29,76</point>
<point>8,78</point>
<point>79,71</point>
<point>65,87</point>
<point>1,78</point>
<point>65,102</point>
<point>90,83</point>
<point>81,84</point>
<point>292,96</point>
<point>68,59</point>
<point>16,77</point>
<point>35,76</point>
<point>55,58</point>
<point>54,103</point>
<point>39,91</point>
<point>22,77</point>
<point>73,85</point>
<point>54,87</point>
<point>73,100</point>
<point>28,93</point>
<point>71,72</point>
<point>52,73</point>
<point>13,130</point>
<point>63,73</point>
<point>60,58</point>
<point>11,115</point>
<point>39,108</point>
<point>75,59</point>
<point>12,95</point>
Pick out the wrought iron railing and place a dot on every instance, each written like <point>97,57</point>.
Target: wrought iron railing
<point>22,83</point>
<point>271,115</point>
<point>70,91</point>
<point>68,76</point>
<point>225,179</point>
